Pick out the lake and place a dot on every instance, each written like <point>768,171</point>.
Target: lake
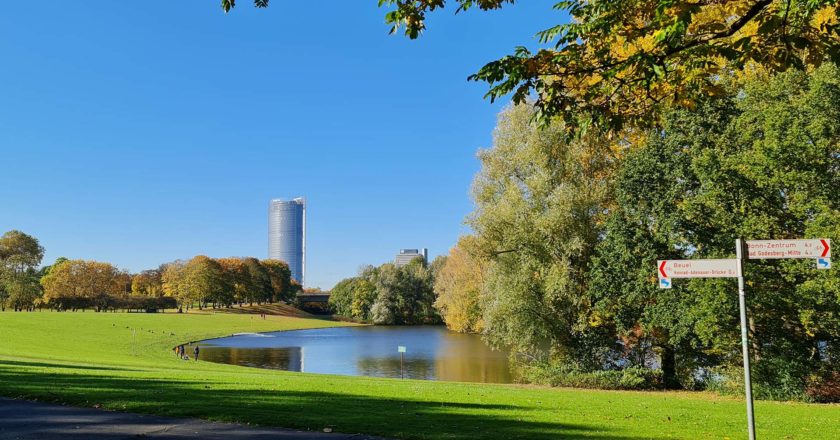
<point>432,353</point>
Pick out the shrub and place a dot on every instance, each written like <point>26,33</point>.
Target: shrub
<point>824,388</point>
<point>559,375</point>
<point>729,381</point>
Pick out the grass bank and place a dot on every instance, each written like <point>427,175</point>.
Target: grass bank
<point>123,361</point>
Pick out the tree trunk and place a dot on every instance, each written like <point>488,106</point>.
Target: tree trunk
<point>669,368</point>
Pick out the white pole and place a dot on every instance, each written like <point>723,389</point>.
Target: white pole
<point>742,300</point>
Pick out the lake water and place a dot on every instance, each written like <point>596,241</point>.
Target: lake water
<point>432,352</point>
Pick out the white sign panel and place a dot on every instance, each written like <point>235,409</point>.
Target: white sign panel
<point>400,349</point>
<point>726,268</point>
<point>668,269</point>
<point>776,249</point>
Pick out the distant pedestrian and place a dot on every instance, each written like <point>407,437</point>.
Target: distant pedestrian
<point>195,352</point>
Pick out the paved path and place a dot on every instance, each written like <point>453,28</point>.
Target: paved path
<point>21,420</point>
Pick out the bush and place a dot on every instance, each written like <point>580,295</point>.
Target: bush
<point>729,381</point>
<point>824,388</point>
<point>558,375</point>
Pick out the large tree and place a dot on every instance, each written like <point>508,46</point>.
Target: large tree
<point>281,280</point>
<point>20,251</point>
<point>238,277</point>
<point>174,284</point>
<point>20,255</point>
<point>261,287</point>
<point>148,283</point>
<point>458,285</point>
<point>76,283</point>
<point>205,282</point>
<point>763,163</point>
<point>624,62</point>
<point>389,294</point>
<point>540,201</point>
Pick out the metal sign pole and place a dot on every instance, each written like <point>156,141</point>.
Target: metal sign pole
<point>740,249</point>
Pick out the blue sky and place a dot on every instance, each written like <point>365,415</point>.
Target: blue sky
<point>143,132</point>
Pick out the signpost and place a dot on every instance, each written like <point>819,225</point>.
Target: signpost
<point>818,249</point>
<point>745,348</point>
<point>401,349</point>
<point>695,269</point>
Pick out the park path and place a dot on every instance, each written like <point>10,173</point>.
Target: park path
<point>24,420</point>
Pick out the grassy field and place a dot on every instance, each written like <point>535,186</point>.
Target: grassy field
<point>124,362</point>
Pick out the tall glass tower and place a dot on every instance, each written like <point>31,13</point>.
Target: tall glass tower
<point>287,234</point>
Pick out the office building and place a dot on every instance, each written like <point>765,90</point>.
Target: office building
<point>407,255</point>
<point>287,235</point>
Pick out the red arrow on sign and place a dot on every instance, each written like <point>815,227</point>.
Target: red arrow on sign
<point>662,269</point>
<point>826,248</point>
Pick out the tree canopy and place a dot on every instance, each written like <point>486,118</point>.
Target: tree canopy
<point>20,255</point>
<point>567,238</point>
<point>389,294</point>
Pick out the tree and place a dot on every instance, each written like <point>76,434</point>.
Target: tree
<point>261,286</point>
<point>624,62</point>
<point>403,295</point>
<point>19,251</point>
<point>124,280</point>
<point>385,308</point>
<point>364,295</point>
<point>174,282</point>
<point>281,277</point>
<point>458,286</point>
<point>238,277</point>
<point>148,283</point>
<point>79,283</point>
<point>204,281</point>
<point>758,163</point>
<point>46,269</point>
<point>341,297</point>
<point>541,198</point>
<point>23,293</point>
<point>20,255</point>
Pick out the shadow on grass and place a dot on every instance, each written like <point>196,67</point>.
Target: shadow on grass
<point>21,419</point>
<point>308,410</point>
<point>59,365</point>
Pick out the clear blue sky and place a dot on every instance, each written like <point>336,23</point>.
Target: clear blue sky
<point>140,132</point>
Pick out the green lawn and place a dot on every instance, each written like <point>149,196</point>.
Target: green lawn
<point>124,362</point>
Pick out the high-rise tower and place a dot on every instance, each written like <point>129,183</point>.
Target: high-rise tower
<point>287,234</point>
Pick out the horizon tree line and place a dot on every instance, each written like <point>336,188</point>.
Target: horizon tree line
<point>80,284</point>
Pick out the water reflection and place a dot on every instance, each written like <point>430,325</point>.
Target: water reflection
<point>433,353</point>
<point>286,358</point>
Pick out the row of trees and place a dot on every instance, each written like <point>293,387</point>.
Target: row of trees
<point>222,282</point>
<point>389,294</point>
<point>79,284</point>
<point>567,229</point>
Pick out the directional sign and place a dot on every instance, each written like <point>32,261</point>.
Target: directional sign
<point>776,249</point>
<point>823,263</point>
<point>695,269</point>
<point>726,268</point>
<point>400,349</point>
